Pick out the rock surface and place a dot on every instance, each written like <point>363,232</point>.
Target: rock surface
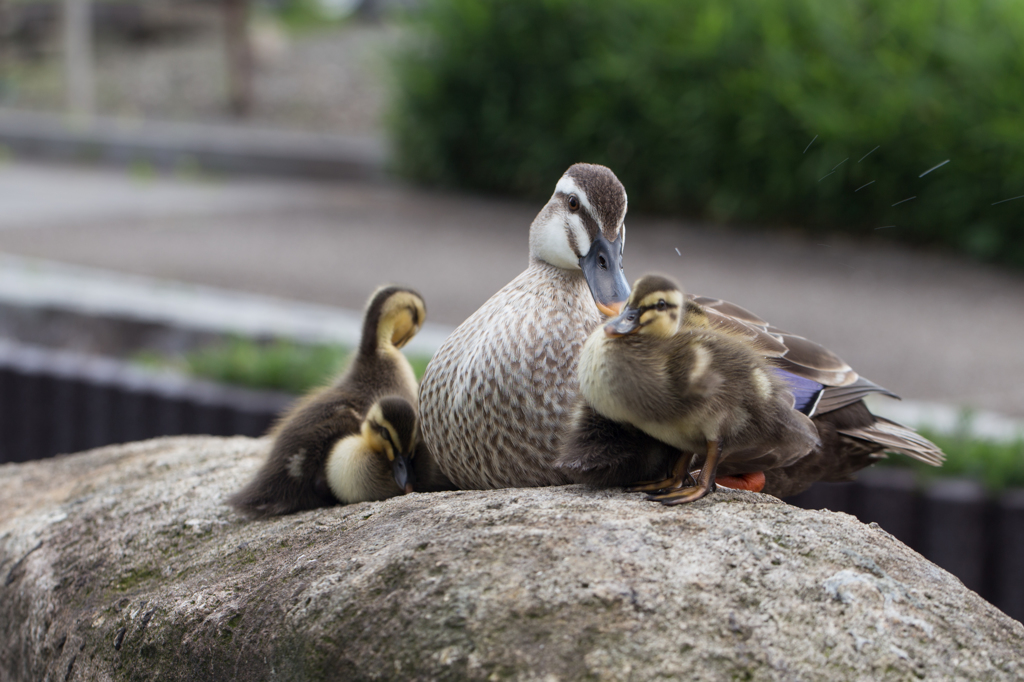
<point>123,563</point>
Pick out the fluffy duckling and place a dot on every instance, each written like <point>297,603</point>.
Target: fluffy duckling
<point>500,388</point>
<point>376,462</point>
<point>331,446</point>
<point>692,391</point>
<point>824,387</point>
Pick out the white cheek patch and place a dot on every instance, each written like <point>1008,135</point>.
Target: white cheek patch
<point>553,246</point>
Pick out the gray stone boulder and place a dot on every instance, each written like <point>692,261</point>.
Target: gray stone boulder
<point>124,563</point>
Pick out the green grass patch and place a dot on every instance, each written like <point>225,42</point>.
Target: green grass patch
<point>280,365</point>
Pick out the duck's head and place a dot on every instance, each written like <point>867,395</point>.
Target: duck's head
<point>582,228</point>
<point>393,316</point>
<point>389,429</point>
<point>654,308</point>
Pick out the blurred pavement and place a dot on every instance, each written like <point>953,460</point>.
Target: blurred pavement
<point>929,327</point>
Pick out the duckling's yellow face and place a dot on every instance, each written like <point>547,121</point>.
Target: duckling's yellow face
<point>660,313</point>
<point>379,434</point>
<point>390,429</point>
<point>652,311</point>
<point>402,317</point>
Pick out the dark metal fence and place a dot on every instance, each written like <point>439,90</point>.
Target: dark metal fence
<point>57,402</point>
<point>54,402</point>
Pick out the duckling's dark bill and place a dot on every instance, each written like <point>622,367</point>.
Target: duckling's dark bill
<point>626,323</point>
<point>402,467</point>
<point>602,268</point>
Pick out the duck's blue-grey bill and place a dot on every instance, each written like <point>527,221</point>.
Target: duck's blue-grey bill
<point>602,268</point>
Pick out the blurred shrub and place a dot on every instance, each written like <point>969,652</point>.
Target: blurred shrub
<point>282,365</point>
<point>706,107</point>
<point>996,464</point>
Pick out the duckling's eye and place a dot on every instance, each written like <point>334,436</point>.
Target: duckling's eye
<point>662,305</point>
<point>385,434</point>
<point>574,203</point>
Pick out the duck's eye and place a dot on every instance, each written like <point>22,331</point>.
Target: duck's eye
<point>662,305</point>
<point>385,434</point>
<point>574,203</point>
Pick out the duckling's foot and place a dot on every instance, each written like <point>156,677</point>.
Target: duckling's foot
<point>680,478</point>
<point>682,496</point>
<point>705,481</point>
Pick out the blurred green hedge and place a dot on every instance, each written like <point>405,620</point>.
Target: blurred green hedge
<point>706,107</point>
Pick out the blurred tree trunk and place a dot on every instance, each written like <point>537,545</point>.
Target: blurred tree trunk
<point>5,49</point>
<point>78,57</point>
<point>239,55</point>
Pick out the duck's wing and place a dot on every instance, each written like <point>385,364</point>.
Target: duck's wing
<point>826,388</point>
<point>802,361</point>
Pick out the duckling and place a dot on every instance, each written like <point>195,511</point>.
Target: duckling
<point>697,390</point>
<point>338,430</point>
<point>824,388</point>
<point>496,393</point>
<point>376,462</point>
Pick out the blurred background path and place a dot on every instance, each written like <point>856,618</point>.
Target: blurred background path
<point>929,327</point>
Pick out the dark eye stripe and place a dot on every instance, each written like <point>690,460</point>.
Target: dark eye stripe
<point>573,244</point>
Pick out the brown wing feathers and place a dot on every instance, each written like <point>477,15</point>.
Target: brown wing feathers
<point>840,414</point>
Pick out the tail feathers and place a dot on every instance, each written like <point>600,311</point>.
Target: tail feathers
<point>898,438</point>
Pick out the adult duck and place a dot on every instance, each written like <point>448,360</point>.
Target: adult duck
<point>495,396</point>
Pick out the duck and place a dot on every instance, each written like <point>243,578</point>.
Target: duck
<point>376,462</point>
<point>826,389</point>
<point>708,394</point>
<point>496,394</point>
<point>339,441</point>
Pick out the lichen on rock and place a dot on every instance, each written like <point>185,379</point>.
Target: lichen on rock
<point>124,563</point>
